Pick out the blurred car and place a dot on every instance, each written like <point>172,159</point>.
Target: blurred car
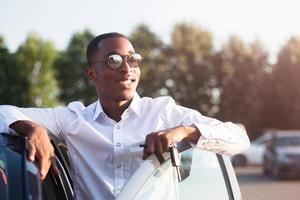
<point>282,155</point>
<point>199,175</point>
<point>254,155</point>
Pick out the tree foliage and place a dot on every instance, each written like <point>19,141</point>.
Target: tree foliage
<point>153,67</point>
<point>190,66</point>
<point>69,67</point>
<point>13,81</point>
<point>282,102</point>
<point>35,57</point>
<point>243,68</point>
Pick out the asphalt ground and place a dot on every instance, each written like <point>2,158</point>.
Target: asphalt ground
<point>256,186</point>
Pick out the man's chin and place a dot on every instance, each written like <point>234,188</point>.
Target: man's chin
<point>125,97</point>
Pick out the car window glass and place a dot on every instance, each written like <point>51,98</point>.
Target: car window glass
<point>162,184</point>
<point>34,185</point>
<point>288,141</point>
<point>203,176</point>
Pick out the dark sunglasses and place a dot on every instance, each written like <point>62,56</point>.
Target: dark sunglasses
<point>115,60</point>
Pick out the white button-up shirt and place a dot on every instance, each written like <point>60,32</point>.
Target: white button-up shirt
<point>104,153</point>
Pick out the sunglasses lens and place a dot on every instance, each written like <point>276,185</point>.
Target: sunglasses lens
<point>115,61</point>
<point>134,60</point>
<point>136,57</point>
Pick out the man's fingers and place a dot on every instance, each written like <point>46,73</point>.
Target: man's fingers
<point>32,152</point>
<point>165,143</point>
<point>145,154</point>
<point>159,145</point>
<point>44,167</point>
<point>150,144</point>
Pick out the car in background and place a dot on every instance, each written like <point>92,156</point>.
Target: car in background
<point>254,155</point>
<point>199,175</point>
<point>282,155</point>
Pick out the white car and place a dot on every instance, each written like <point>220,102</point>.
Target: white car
<point>254,155</point>
<point>204,175</point>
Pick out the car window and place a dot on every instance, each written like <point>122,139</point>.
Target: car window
<point>202,176</point>
<point>34,184</point>
<point>288,141</point>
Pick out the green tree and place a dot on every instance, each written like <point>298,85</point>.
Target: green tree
<point>241,72</point>
<point>13,82</point>
<point>153,67</point>
<point>69,67</point>
<point>282,101</point>
<point>190,67</point>
<point>35,57</point>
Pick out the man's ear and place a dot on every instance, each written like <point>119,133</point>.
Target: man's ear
<point>90,74</point>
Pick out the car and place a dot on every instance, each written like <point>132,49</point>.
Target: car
<point>20,178</point>
<point>254,155</point>
<point>204,175</point>
<point>282,155</point>
<point>196,173</point>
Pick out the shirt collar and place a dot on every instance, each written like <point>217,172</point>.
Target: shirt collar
<point>134,106</point>
<point>98,110</point>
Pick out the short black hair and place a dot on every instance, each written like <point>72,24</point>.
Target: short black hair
<point>92,47</point>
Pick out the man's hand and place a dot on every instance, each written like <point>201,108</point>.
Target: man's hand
<point>161,140</point>
<point>38,143</point>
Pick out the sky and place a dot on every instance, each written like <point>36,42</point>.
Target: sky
<point>272,22</point>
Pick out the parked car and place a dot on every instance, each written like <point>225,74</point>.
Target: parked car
<point>199,175</point>
<point>254,155</point>
<point>282,155</point>
<point>20,178</point>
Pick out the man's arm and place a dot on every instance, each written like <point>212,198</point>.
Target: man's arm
<point>162,140</point>
<point>205,132</point>
<point>35,124</point>
<point>38,144</point>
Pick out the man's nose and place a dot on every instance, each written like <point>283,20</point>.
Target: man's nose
<point>125,67</point>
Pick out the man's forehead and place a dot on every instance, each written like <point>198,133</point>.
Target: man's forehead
<point>114,43</point>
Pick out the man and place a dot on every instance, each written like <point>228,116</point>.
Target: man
<point>103,138</point>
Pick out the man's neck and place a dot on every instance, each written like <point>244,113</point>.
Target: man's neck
<point>115,109</point>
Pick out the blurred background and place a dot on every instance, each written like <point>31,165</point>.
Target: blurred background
<point>234,60</point>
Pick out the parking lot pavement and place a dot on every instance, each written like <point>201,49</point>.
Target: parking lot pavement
<point>256,186</point>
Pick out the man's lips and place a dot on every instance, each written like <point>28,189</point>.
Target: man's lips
<point>126,82</point>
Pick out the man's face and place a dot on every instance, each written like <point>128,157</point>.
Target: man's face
<point>114,84</point>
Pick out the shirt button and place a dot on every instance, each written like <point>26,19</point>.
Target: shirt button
<point>119,166</point>
<point>118,127</point>
<point>118,144</point>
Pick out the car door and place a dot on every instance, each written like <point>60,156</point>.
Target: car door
<point>203,173</point>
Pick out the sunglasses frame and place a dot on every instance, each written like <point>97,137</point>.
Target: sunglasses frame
<point>113,64</point>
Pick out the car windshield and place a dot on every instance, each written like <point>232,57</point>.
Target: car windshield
<point>288,141</point>
<point>202,175</point>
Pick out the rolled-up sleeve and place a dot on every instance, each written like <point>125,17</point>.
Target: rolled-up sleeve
<point>216,136</point>
<point>223,138</point>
